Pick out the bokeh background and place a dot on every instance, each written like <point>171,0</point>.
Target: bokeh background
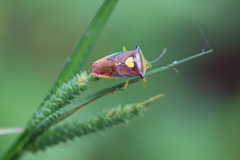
<point>197,119</point>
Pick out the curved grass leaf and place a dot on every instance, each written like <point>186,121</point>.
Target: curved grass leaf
<point>78,58</point>
<point>74,64</point>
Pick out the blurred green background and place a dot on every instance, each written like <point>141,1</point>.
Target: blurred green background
<point>197,119</point>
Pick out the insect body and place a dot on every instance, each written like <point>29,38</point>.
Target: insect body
<point>123,65</point>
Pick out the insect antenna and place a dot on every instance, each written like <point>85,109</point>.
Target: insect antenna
<point>164,51</point>
<point>171,68</point>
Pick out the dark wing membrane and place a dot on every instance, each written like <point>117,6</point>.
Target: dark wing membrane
<point>124,71</point>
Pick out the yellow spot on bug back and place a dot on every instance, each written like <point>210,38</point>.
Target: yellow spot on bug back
<point>129,62</point>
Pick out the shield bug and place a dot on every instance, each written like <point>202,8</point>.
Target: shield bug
<point>123,64</point>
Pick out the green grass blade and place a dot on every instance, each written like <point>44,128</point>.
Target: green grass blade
<point>74,64</point>
<point>77,59</point>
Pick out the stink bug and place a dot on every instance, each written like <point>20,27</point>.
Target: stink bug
<point>123,65</point>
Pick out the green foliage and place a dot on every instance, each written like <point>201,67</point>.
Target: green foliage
<point>50,109</point>
<point>43,131</point>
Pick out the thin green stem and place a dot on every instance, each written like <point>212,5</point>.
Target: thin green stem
<point>71,108</point>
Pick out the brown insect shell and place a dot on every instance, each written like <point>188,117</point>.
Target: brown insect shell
<point>121,65</point>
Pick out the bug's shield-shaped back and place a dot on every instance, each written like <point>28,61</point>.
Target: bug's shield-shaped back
<point>121,65</point>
